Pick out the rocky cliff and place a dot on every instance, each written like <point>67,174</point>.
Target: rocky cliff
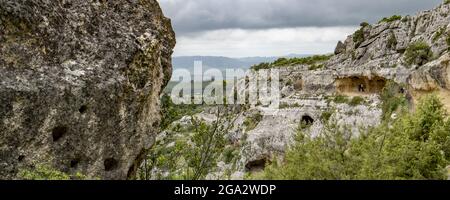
<point>80,83</point>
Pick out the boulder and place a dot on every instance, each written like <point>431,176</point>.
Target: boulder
<point>79,84</point>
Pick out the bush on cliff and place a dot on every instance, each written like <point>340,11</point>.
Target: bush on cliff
<point>392,99</point>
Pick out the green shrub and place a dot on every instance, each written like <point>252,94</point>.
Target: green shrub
<point>446,1</point>
<point>229,154</point>
<point>286,105</point>
<point>45,172</point>
<point>418,53</point>
<point>391,99</point>
<point>391,19</point>
<point>289,83</point>
<point>283,62</point>
<point>315,67</point>
<point>405,19</point>
<point>356,101</point>
<point>303,125</point>
<point>171,112</point>
<point>301,61</point>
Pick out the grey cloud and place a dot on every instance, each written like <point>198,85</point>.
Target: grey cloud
<point>203,15</point>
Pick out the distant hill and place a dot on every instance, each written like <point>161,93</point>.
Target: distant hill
<point>222,63</point>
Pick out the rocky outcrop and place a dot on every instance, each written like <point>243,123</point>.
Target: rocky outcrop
<point>343,92</point>
<point>361,67</point>
<point>80,83</point>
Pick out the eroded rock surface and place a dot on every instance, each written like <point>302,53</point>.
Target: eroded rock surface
<point>360,69</point>
<point>80,83</point>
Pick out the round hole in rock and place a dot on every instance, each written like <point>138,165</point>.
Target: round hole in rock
<point>307,120</point>
<point>110,164</point>
<point>83,109</point>
<point>58,132</point>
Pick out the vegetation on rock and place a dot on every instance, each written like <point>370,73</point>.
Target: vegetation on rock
<point>339,99</point>
<point>171,112</point>
<point>261,66</point>
<point>315,67</point>
<point>282,62</point>
<point>418,53</point>
<point>438,34</point>
<point>392,99</point>
<point>358,37</point>
<point>252,121</point>
<point>194,151</point>
<point>448,42</point>
<point>45,172</point>
<point>415,146</point>
<point>357,100</point>
<point>326,116</point>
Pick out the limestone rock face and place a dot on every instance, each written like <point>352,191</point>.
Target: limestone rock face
<point>79,84</point>
<point>372,57</point>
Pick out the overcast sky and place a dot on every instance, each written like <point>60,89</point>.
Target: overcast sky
<point>241,28</point>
